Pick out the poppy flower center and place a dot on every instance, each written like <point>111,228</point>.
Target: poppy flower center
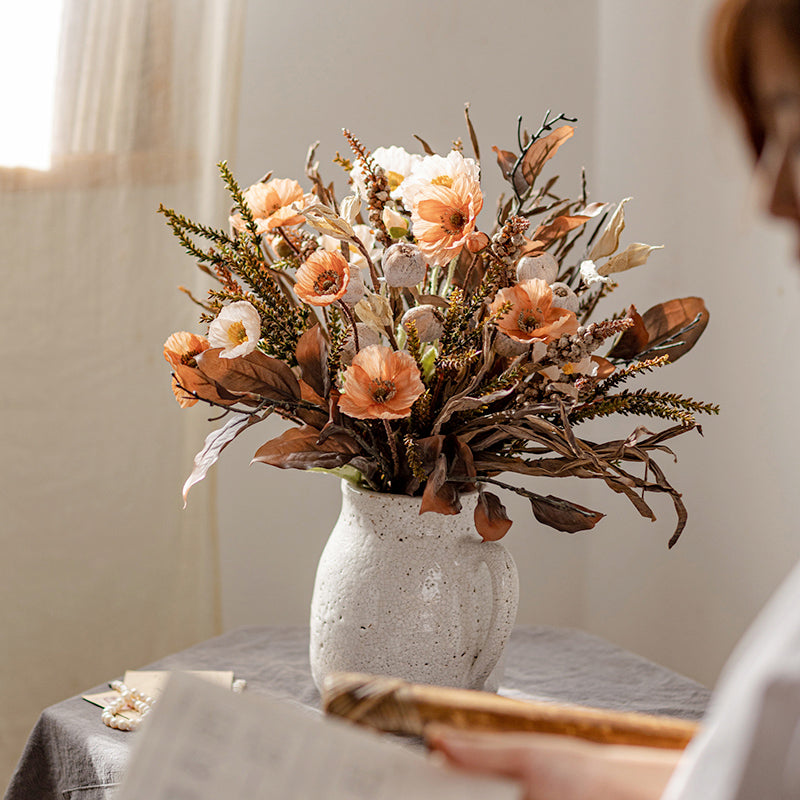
<point>382,391</point>
<point>327,282</point>
<point>453,220</point>
<point>188,359</point>
<point>236,332</point>
<point>527,320</point>
<point>394,179</point>
<point>443,180</point>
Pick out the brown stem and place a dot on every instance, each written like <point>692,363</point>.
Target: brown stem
<point>390,334</point>
<point>352,320</point>
<point>392,447</point>
<point>288,241</point>
<point>373,272</point>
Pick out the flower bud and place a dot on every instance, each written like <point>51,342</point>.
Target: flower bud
<point>403,265</point>
<point>395,223</point>
<point>366,337</point>
<point>543,266</point>
<point>281,247</point>
<point>427,320</point>
<point>564,297</point>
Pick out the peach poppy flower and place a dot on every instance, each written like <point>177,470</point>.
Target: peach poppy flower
<point>272,205</point>
<point>533,316</point>
<point>443,216</point>
<point>381,383</point>
<point>181,349</point>
<point>323,278</point>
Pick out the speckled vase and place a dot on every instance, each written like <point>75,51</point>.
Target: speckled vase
<point>418,597</point>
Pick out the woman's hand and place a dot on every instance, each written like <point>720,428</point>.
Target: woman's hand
<point>560,767</point>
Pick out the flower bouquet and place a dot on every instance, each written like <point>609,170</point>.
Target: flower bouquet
<point>416,354</point>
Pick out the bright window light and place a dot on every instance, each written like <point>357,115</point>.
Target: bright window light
<point>29,37</point>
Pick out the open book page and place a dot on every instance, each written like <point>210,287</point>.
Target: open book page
<point>204,743</point>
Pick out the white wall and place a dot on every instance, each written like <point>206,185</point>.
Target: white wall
<point>632,71</point>
<point>663,138</point>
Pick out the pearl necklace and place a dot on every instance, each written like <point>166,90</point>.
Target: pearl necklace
<point>129,700</point>
<point>132,699</point>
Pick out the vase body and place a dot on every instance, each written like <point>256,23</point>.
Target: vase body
<point>418,597</point>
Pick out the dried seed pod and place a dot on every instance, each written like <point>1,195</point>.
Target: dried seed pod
<point>564,297</point>
<point>403,265</point>
<point>543,266</point>
<point>355,289</point>
<point>428,322</point>
<point>366,337</point>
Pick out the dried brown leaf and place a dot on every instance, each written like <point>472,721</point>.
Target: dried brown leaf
<point>491,518</point>
<point>254,373</point>
<point>312,356</point>
<point>633,340</point>
<point>299,448</point>
<point>541,151</point>
<point>429,151</point>
<point>672,329</point>
<point>192,379</point>
<point>545,235</point>
<point>563,515</point>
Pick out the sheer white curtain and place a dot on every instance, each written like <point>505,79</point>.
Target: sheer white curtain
<point>101,569</point>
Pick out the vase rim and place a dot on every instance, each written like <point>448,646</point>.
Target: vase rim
<point>349,487</point>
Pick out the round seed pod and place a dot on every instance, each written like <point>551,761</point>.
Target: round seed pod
<point>428,322</point>
<point>355,289</point>
<point>403,264</point>
<point>543,266</point>
<point>564,297</point>
<point>366,337</point>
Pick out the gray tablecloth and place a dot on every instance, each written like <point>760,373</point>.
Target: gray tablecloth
<point>72,755</point>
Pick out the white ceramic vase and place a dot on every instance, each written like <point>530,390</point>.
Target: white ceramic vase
<point>418,597</point>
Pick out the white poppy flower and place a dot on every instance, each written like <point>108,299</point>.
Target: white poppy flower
<point>237,329</point>
<point>438,170</point>
<point>397,164</point>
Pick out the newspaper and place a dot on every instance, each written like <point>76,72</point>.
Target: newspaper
<point>202,742</point>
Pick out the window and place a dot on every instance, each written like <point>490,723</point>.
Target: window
<point>29,44</point>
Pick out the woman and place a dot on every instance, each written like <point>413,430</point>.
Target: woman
<point>749,747</point>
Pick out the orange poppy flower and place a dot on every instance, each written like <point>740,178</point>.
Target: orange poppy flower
<point>443,217</point>
<point>533,316</point>
<point>181,349</point>
<point>271,204</point>
<point>323,278</point>
<point>381,383</point>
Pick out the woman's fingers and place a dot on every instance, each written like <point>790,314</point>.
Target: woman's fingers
<point>491,753</point>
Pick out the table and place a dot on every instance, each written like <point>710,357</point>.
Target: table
<point>72,755</point>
